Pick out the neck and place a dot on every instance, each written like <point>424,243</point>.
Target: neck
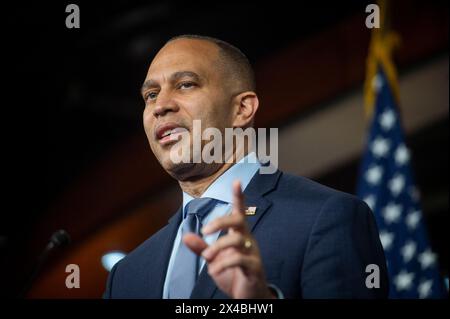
<point>198,185</point>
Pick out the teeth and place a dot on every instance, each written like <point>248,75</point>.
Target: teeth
<point>172,131</point>
<point>168,132</point>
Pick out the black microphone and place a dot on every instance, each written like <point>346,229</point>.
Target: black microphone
<point>60,239</point>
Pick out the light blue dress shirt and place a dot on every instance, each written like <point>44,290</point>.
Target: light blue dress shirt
<point>220,189</point>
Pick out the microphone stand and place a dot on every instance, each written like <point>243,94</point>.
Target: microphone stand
<point>59,239</point>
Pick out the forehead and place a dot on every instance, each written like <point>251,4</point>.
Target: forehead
<point>195,55</point>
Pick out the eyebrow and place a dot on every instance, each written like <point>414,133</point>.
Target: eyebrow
<point>173,78</point>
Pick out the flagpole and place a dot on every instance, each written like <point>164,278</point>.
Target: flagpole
<point>382,44</point>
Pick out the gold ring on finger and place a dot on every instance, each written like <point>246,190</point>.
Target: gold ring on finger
<point>248,244</point>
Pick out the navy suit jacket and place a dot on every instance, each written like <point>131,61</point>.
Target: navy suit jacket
<point>315,242</point>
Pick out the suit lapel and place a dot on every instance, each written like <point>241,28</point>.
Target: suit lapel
<point>205,287</point>
<point>161,264</point>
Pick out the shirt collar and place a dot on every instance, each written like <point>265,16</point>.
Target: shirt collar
<point>221,188</point>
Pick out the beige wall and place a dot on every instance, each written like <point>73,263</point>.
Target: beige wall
<point>328,138</point>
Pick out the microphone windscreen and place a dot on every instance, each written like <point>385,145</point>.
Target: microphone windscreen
<point>60,238</point>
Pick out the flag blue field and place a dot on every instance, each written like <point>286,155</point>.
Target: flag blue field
<point>386,183</point>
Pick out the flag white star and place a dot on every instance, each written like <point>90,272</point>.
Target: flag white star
<point>424,288</point>
<point>374,174</point>
<point>377,82</point>
<point>392,212</point>
<point>380,147</point>
<point>370,201</point>
<point>408,251</point>
<point>412,219</point>
<point>386,239</point>
<point>404,280</point>
<point>396,184</point>
<point>387,119</point>
<point>401,155</point>
<point>427,258</point>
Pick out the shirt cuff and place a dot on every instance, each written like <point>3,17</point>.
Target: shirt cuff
<point>276,290</point>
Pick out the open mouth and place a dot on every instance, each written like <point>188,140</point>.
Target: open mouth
<point>169,132</point>
<point>174,131</point>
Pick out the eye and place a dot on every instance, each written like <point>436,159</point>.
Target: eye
<point>150,96</point>
<point>186,85</point>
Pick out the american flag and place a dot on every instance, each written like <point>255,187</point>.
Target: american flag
<point>387,185</point>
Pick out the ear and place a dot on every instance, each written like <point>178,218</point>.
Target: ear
<point>246,105</point>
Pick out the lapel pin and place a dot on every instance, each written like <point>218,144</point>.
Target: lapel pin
<point>250,211</point>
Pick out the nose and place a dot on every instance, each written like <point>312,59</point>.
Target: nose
<point>164,104</point>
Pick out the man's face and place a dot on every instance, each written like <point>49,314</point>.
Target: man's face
<point>183,84</point>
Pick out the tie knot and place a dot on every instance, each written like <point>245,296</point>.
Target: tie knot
<point>200,206</point>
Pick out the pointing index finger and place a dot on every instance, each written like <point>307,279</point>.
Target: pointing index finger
<point>238,198</point>
<point>236,220</point>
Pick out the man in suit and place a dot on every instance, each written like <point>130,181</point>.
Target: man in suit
<point>240,233</point>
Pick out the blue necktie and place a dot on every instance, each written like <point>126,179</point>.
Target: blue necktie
<point>186,266</point>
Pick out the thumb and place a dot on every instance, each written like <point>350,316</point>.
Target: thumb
<point>194,243</point>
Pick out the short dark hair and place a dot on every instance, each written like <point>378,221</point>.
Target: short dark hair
<point>233,59</point>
